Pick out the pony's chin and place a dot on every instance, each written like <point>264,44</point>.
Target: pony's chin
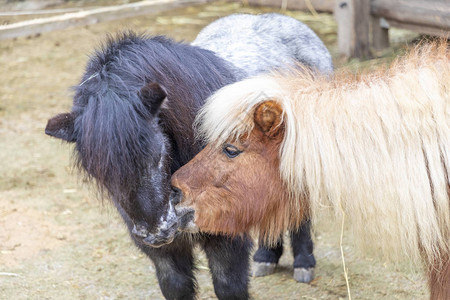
<point>158,241</point>
<point>191,227</point>
<point>165,234</point>
<point>186,217</point>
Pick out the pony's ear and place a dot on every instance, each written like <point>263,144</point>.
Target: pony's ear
<point>152,96</point>
<point>269,117</point>
<point>61,127</point>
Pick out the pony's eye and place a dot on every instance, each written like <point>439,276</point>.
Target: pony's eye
<point>231,151</point>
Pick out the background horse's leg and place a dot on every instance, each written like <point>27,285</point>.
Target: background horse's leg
<point>266,258</point>
<point>228,261</point>
<point>302,248</point>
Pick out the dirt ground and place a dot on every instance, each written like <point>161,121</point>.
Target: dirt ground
<point>58,242</point>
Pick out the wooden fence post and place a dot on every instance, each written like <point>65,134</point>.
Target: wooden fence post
<point>380,33</point>
<point>353,19</point>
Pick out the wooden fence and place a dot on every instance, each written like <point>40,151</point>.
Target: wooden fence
<point>91,16</point>
<point>364,24</point>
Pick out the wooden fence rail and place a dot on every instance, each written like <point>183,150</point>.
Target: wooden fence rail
<point>91,16</point>
<point>318,5</point>
<point>364,24</point>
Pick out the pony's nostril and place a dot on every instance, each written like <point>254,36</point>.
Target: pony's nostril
<point>175,195</point>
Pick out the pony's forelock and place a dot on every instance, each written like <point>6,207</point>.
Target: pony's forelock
<point>228,113</point>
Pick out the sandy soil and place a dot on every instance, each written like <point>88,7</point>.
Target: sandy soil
<point>58,242</point>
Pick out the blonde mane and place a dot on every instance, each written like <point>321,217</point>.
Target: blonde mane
<point>375,148</point>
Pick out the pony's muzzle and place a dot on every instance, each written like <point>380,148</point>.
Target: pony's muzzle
<point>184,214</point>
<point>166,230</point>
<point>140,230</point>
<point>165,235</point>
<point>175,196</point>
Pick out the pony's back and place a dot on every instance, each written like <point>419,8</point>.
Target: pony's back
<point>266,42</point>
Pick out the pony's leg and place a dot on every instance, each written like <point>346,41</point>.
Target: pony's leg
<point>174,264</point>
<point>439,279</point>
<point>302,248</point>
<point>228,260</point>
<point>266,258</point>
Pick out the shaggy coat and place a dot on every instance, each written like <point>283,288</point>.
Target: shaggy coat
<point>376,148</point>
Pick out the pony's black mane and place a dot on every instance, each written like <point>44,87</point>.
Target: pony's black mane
<point>114,135</point>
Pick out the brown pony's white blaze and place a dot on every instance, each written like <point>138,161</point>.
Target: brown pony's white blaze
<point>376,149</point>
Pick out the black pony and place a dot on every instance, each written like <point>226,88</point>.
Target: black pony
<point>131,122</point>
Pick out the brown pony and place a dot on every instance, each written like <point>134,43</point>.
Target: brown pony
<point>377,149</point>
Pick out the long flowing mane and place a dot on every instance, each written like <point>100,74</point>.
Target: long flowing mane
<point>376,148</point>
<point>114,142</point>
